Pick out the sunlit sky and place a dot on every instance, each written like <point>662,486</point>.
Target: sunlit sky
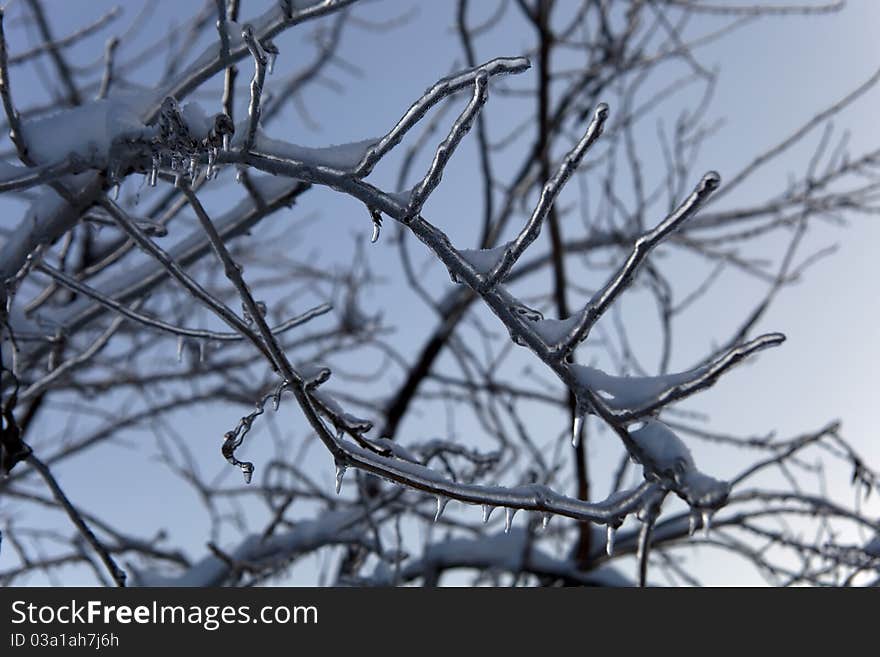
<point>774,74</point>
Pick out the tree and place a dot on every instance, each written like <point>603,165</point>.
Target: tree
<point>132,242</point>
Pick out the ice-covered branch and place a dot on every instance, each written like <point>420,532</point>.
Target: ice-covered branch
<point>622,279</point>
<point>436,93</point>
<point>460,128</point>
<point>261,61</point>
<point>549,193</point>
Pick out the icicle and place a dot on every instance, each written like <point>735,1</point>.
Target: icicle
<point>508,519</point>
<point>226,141</point>
<point>116,191</point>
<point>441,504</point>
<point>340,473</point>
<point>545,520</point>
<point>577,428</point>
<point>692,523</point>
<point>454,277</point>
<point>375,236</point>
<point>193,167</point>
<point>276,400</point>
<point>178,179</point>
<point>179,348</point>
<point>247,469</point>
<point>154,171</point>
<point>271,62</point>
<point>707,522</point>
<point>201,351</point>
<point>487,511</point>
<point>609,540</point>
<point>239,176</point>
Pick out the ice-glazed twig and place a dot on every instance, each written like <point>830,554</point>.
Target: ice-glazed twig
<point>622,279</point>
<point>221,28</point>
<point>460,128</point>
<point>233,273</point>
<point>152,322</point>
<point>64,368</point>
<point>145,243</point>
<point>548,195</point>
<point>109,58</point>
<point>704,377</point>
<point>261,60</point>
<point>32,177</point>
<point>76,518</point>
<point>437,92</point>
<point>12,115</point>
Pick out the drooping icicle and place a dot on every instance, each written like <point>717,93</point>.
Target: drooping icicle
<point>545,520</point>
<point>340,473</point>
<point>247,469</point>
<point>179,348</point>
<point>610,531</point>
<point>508,518</point>
<point>441,505</point>
<point>212,157</point>
<point>116,191</point>
<point>193,167</point>
<point>271,63</point>
<point>576,429</point>
<point>226,141</point>
<point>692,523</point>
<point>487,511</point>
<point>707,522</point>
<point>375,236</point>
<point>154,171</point>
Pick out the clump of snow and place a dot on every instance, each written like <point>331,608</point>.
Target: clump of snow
<point>88,130</point>
<point>663,447</point>
<point>670,456</point>
<point>554,331</point>
<point>482,260</point>
<point>629,391</point>
<point>197,121</point>
<point>342,157</point>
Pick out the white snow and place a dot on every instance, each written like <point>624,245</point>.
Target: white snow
<point>663,447</point>
<point>670,455</point>
<point>342,157</point>
<point>197,120</point>
<point>88,130</point>
<point>629,391</point>
<point>554,331</point>
<point>331,528</point>
<point>482,260</point>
